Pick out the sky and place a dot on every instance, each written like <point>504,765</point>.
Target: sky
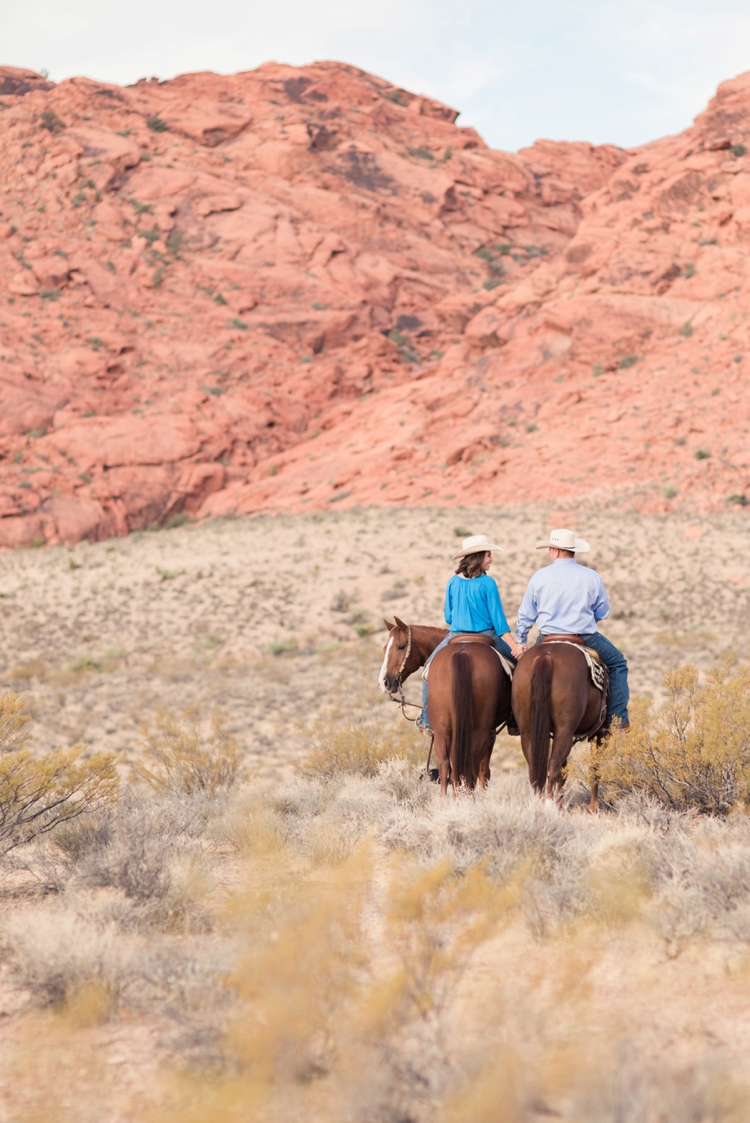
<point>607,71</point>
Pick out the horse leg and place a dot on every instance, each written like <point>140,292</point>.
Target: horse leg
<point>484,766</point>
<point>594,802</point>
<point>562,743</point>
<point>483,771</point>
<point>442,755</point>
<point>453,775</point>
<point>482,747</point>
<point>594,775</point>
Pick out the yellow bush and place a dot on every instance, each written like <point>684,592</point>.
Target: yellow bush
<point>39,793</point>
<point>695,751</point>
<point>178,759</point>
<point>357,745</point>
<point>14,732</point>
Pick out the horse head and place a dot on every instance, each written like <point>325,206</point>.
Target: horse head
<point>398,655</point>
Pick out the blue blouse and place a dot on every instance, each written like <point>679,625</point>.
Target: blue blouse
<point>472,604</point>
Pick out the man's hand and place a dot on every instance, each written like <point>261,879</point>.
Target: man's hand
<point>517,650</point>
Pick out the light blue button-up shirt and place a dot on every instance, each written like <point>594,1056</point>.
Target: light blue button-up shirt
<point>564,598</point>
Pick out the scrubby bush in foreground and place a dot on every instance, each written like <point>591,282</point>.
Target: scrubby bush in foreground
<point>39,793</point>
<point>692,753</point>
<point>356,745</point>
<point>179,759</point>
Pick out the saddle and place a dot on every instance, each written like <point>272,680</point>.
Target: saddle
<point>477,637</point>
<point>590,655</point>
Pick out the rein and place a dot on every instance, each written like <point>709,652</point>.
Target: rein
<point>400,700</point>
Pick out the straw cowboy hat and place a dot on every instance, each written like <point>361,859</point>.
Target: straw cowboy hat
<point>477,544</point>
<point>564,540</point>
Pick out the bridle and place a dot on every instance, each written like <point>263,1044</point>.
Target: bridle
<point>400,700</point>
<point>407,653</point>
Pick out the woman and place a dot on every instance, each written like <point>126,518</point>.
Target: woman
<point>472,604</point>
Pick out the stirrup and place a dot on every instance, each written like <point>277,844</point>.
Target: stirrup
<point>511,727</point>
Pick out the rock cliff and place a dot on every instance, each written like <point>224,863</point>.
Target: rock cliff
<point>296,287</point>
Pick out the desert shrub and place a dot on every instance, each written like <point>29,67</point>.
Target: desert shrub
<point>49,120</point>
<point>355,744</point>
<point>150,851</point>
<point>88,969</point>
<point>14,723</point>
<point>695,751</point>
<point>59,954</point>
<point>39,793</point>
<point>405,783</point>
<point>179,759</point>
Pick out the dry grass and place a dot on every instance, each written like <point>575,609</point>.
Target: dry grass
<point>384,983</point>
<point>347,945</point>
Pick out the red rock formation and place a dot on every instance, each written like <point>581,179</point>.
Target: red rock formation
<point>295,287</point>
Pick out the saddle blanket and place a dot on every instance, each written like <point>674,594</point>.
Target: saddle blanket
<point>504,663</point>
<point>597,670</point>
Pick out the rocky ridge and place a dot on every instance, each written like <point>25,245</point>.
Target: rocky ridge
<point>293,287</point>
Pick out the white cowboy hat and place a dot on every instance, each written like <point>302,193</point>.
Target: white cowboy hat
<point>564,540</point>
<point>476,544</point>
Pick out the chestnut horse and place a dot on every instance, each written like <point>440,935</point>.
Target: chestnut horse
<point>553,695</point>
<point>469,697</point>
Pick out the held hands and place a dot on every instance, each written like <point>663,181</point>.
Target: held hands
<point>516,649</point>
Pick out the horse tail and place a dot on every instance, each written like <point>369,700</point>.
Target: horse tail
<point>541,692</point>
<point>463,698</point>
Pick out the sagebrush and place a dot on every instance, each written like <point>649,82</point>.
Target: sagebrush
<point>357,744</point>
<point>37,793</point>
<point>694,752</point>
<point>177,757</point>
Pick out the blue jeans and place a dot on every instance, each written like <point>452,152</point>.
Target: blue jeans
<point>617,665</point>
<point>497,642</point>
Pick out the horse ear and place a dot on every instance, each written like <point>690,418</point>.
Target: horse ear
<point>400,623</point>
<point>390,627</point>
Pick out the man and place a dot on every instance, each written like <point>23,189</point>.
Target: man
<point>566,598</point>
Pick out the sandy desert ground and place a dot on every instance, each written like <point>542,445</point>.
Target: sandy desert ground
<point>537,964</point>
<point>100,636</point>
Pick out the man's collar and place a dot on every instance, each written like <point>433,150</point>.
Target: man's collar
<point>565,561</point>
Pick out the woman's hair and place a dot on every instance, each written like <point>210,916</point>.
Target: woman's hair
<point>471,565</point>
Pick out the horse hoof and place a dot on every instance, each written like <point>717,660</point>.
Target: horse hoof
<point>432,774</point>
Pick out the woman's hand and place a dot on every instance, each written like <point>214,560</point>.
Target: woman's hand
<point>516,649</point>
